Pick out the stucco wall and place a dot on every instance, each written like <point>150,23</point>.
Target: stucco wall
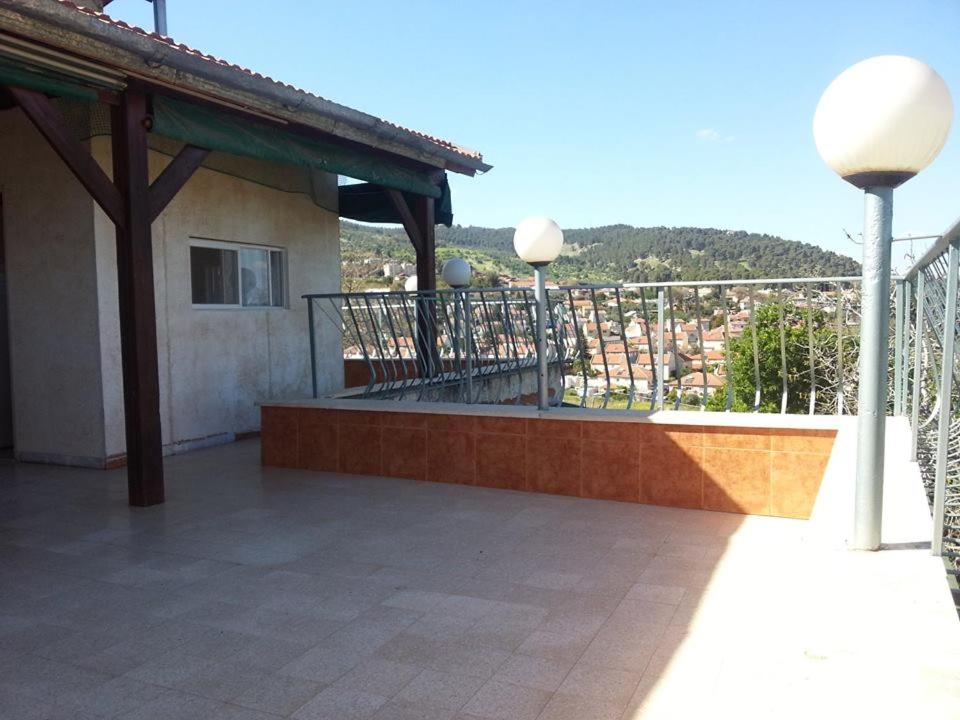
<point>216,364</point>
<point>53,304</point>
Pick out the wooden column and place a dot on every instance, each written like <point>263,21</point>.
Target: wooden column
<point>132,204</point>
<point>138,325</point>
<point>423,216</point>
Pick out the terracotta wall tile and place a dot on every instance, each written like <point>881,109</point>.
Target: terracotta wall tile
<point>671,475</point>
<point>539,427</point>
<point>736,480</point>
<point>451,423</point>
<point>678,435</point>
<point>451,457</point>
<point>553,465</point>
<point>319,440</point>
<point>279,437</point>
<point>416,421</point>
<point>404,453</point>
<point>500,460</point>
<point>818,442</point>
<point>618,432</point>
<point>794,483</point>
<point>360,449</point>
<point>737,438</point>
<point>610,470</point>
<point>361,417</point>
<point>513,426</point>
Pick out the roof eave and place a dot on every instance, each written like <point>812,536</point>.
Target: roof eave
<point>150,57</point>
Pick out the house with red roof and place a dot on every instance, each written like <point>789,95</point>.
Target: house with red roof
<point>163,213</point>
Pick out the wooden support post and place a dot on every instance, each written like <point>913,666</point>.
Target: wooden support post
<point>132,204</point>
<point>420,224</point>
<point>138,325</point>
<point>427,283</point>
<point>423,215</point>
<point>49,121</point>
<point>174,177</point>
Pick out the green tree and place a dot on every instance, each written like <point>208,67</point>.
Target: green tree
<point>743,371</point>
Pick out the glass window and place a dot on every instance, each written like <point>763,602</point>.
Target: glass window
<point>214,276</point>
<point>276,279</point>
<point>242,276</point>
<point>255,277</point>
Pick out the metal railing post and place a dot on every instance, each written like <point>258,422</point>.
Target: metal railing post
<point>755,347</point>
<point>657,362</point>
<point>917,368</point>
<point>458,363</point>
<point>898,351</point>
<point>946,396</point>
<point>468,336</point>
<point>313,349</point>
<point>874,367</point>
<point>543,396</point>
<point>905,359</point>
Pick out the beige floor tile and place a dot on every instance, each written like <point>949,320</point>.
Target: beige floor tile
<point>574,707</point>
<point>330,596</point>
<point>505,701</point>
<point>553,646</point>
<point>601,683</point>
<point>349,704</point>
<point>440,690</point>
<point>534,672</point>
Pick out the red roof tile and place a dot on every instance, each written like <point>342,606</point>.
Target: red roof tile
<point>104,18</point>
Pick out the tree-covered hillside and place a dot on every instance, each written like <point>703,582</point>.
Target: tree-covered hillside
<point>618,253</point>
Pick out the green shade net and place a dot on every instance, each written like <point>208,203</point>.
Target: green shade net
<point>23,76</point>
<point>216,130</point>
<point>369,203</point>
<point>227,134</point>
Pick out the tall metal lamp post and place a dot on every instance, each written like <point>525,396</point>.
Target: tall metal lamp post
<point>878,124</point>
<point>538,241</point>
<point>456,273</point>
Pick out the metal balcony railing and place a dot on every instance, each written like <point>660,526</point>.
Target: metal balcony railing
<point>413,345</point>
<point>770,345</point>
<point>928,387</point>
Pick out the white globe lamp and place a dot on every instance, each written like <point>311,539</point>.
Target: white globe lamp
<point>538,240</point>
<point>883,120</point>
<point>411,284</point>
<point>879,123</point>
<point>456,272</point>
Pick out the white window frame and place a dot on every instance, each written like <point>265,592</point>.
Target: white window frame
<point>237,247</point>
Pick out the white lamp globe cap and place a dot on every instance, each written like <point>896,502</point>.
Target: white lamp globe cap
<point>883,120</point>
<point>538,240</point>
<point>411,284</point>
<point>456,272</point>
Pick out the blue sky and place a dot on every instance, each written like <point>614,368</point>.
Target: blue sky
<point>644,112</point>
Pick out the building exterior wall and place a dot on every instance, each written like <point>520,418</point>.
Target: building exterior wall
<point>216,364</point>
<point>52,300</point>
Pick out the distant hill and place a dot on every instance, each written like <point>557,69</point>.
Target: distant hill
<point>615,253</point>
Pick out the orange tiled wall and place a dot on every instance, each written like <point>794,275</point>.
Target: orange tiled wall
<point>754,471</point>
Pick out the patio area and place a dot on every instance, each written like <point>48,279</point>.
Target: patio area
<point>258,593</point>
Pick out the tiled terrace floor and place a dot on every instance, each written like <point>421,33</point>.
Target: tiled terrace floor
<point>256,594</point>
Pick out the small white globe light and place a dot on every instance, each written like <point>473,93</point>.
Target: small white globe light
<point>883,120</point>
<point>538,240</point>
<point>456,272</point>
<point>411,284</point>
